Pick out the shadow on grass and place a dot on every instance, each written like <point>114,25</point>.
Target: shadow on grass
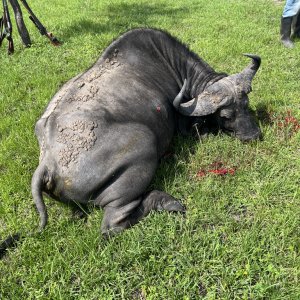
<point>124,16</point>
<point>263,114</point>
<point>182,149</point>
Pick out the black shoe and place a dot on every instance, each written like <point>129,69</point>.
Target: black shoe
<point>285,32</point>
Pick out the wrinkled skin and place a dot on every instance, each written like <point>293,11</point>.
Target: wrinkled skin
<point>228,102</point>
<point>238,121</point>
<point>235,118</point>
<point>103,133</point>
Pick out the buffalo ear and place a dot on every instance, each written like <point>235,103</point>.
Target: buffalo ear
<point>205,104</point>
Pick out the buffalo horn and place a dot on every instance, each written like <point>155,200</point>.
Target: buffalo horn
<point>251,70</point>
<point>178,98</point>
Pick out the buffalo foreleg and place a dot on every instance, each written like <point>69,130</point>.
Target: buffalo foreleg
<point>117,219</point>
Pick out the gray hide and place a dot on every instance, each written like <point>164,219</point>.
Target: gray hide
<point>104,131</point>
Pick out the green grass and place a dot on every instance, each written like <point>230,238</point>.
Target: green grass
<point>240,237</point>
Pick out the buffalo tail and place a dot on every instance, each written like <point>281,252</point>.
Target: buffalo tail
<point>37,184</point>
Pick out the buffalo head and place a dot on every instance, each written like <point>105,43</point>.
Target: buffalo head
<point>228,100</point>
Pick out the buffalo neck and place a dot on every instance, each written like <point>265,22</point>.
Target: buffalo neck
<point>165,61</point>
<point>200,76</point>
<point>184,64</point>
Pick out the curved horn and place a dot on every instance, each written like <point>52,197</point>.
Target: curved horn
<point>205,104</point>
<point>178,98</point>
<point>251,70</point>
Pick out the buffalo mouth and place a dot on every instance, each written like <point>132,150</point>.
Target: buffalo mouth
<point>249,137</point>
<point>243,137</point>
<point>229,132</point>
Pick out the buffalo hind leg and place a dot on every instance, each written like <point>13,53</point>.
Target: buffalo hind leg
<point>117,219</point>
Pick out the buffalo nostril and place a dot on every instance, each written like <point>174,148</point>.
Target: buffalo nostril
<point>248,138</point>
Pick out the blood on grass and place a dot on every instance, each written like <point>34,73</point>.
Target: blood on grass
<point>287,122</point>
<point>216,168</point>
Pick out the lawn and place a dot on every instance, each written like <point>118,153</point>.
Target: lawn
<point>240,238</point>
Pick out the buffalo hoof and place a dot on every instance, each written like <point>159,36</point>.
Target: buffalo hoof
<point>171,205</point>
<point>110,233</point>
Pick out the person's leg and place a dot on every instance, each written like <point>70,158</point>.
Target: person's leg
<point>285,32</point>
<point>291,8</point>
<point>296,23</point>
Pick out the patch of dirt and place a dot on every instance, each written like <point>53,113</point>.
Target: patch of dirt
<point>78,137</point>
<point>202,289</point>
<point>138,295</point>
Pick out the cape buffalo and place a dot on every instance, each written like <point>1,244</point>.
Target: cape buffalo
<point>103,133</point>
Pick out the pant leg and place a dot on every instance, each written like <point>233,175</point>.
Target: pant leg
<point>291,8</point>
